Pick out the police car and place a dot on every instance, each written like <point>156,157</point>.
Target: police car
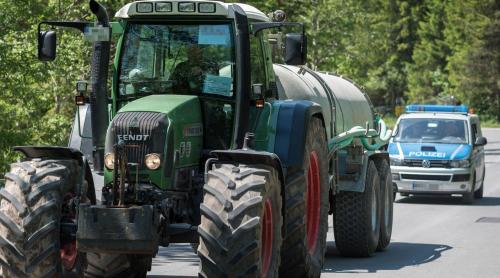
<point>438,149</point>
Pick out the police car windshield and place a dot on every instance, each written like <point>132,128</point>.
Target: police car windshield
<point>443,131</point>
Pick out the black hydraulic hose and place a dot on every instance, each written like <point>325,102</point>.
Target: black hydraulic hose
<point>99,80</point>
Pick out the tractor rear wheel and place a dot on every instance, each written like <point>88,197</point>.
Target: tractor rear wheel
<point>306,207</point>
<point>101,265</point>
<point>357,218</point>
<point>386,203</point>
<point>241,221</point>
<point>36,199</point>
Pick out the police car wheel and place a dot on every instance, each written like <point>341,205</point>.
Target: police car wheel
<point>478,194</point>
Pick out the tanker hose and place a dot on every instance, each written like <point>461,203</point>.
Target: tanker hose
<point>381,139</point>
<point>345,139</point>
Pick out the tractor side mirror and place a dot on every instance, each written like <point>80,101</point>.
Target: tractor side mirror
<point>295,49</point>
<point>480,141</point>
<point>47,45</point>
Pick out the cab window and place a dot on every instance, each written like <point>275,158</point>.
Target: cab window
<point>257,60</point>
<point>474,132</point>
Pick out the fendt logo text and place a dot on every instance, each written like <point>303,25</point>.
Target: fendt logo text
<point>133,137</point>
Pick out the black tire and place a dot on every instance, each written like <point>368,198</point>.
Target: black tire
<point>468,197</point>
<point>386,203</point>
<point>30,216</point>
<point>237,200</point>
<point>357,218</point>
<point>296,260</point>
<point>404,194</point>
<point>101,265</point>
<point>478,194</point>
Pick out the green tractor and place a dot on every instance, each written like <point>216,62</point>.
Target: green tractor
<point>202,140</point>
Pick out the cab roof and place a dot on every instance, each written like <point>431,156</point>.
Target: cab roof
<point>134,10</point>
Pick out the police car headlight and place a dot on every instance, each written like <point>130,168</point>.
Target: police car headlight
<point>153,161</point>
<point>463,163</point>
<point>109,161</point>
<point>396,161</point>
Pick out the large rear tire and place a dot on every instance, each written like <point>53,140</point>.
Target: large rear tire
<point>240,230</point>
<point>386,203</point>
<point>31,211</point>
<point>306,207</point>
<point>357,218</point>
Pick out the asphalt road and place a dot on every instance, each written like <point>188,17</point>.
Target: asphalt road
<point>432,237</point>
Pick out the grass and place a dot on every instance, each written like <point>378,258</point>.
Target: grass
<point>490,123</point>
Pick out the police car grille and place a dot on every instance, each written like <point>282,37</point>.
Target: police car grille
<point>426,177</point>
<point>418,163</point>
<point>141,123</point>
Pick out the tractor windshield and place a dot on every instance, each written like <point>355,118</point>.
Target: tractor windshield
<point>177,59</point>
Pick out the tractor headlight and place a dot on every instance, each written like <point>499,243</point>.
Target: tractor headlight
<point>463,163</point>
<point>153,161</point>
<point>109,161</point>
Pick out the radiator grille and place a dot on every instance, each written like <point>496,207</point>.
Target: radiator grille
<point>426,177</point>
<point>131,126</point>
<point>434,163</point>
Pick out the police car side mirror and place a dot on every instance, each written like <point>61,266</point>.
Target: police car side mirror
<point>480,141</point>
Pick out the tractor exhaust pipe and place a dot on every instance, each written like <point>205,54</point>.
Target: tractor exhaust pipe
<point>99,80</point>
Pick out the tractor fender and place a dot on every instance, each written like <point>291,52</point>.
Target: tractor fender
<point>32,152</point>
<point>291,130</point>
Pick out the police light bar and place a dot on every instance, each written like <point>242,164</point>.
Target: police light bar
<point>436,108</point>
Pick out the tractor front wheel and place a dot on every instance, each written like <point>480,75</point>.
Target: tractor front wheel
<point>240,230</point>
<point>34,204</point>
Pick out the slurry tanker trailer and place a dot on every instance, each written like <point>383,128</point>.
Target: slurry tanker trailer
<point>199,139</point>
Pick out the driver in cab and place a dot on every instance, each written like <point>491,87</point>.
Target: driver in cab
<point>188,76</point>
<point>452,131</point>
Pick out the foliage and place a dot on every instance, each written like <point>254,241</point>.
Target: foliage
<point>419,51</point>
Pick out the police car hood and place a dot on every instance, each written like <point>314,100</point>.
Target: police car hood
<point>430,151</point>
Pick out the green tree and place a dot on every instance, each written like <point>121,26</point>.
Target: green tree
<point>427,76</point>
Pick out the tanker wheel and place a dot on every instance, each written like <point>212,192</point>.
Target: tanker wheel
<point>35,201</point>
<point>241,221</point>
<point>102,265</point>
<point>386,203</point>
<point>306,207</point>
<point>357,218</point>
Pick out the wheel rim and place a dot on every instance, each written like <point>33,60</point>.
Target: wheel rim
<point>68,249</point>
<point>374,210</point>
<point>68,255</point>
<point>267,238</point>
<point>313,204</point>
